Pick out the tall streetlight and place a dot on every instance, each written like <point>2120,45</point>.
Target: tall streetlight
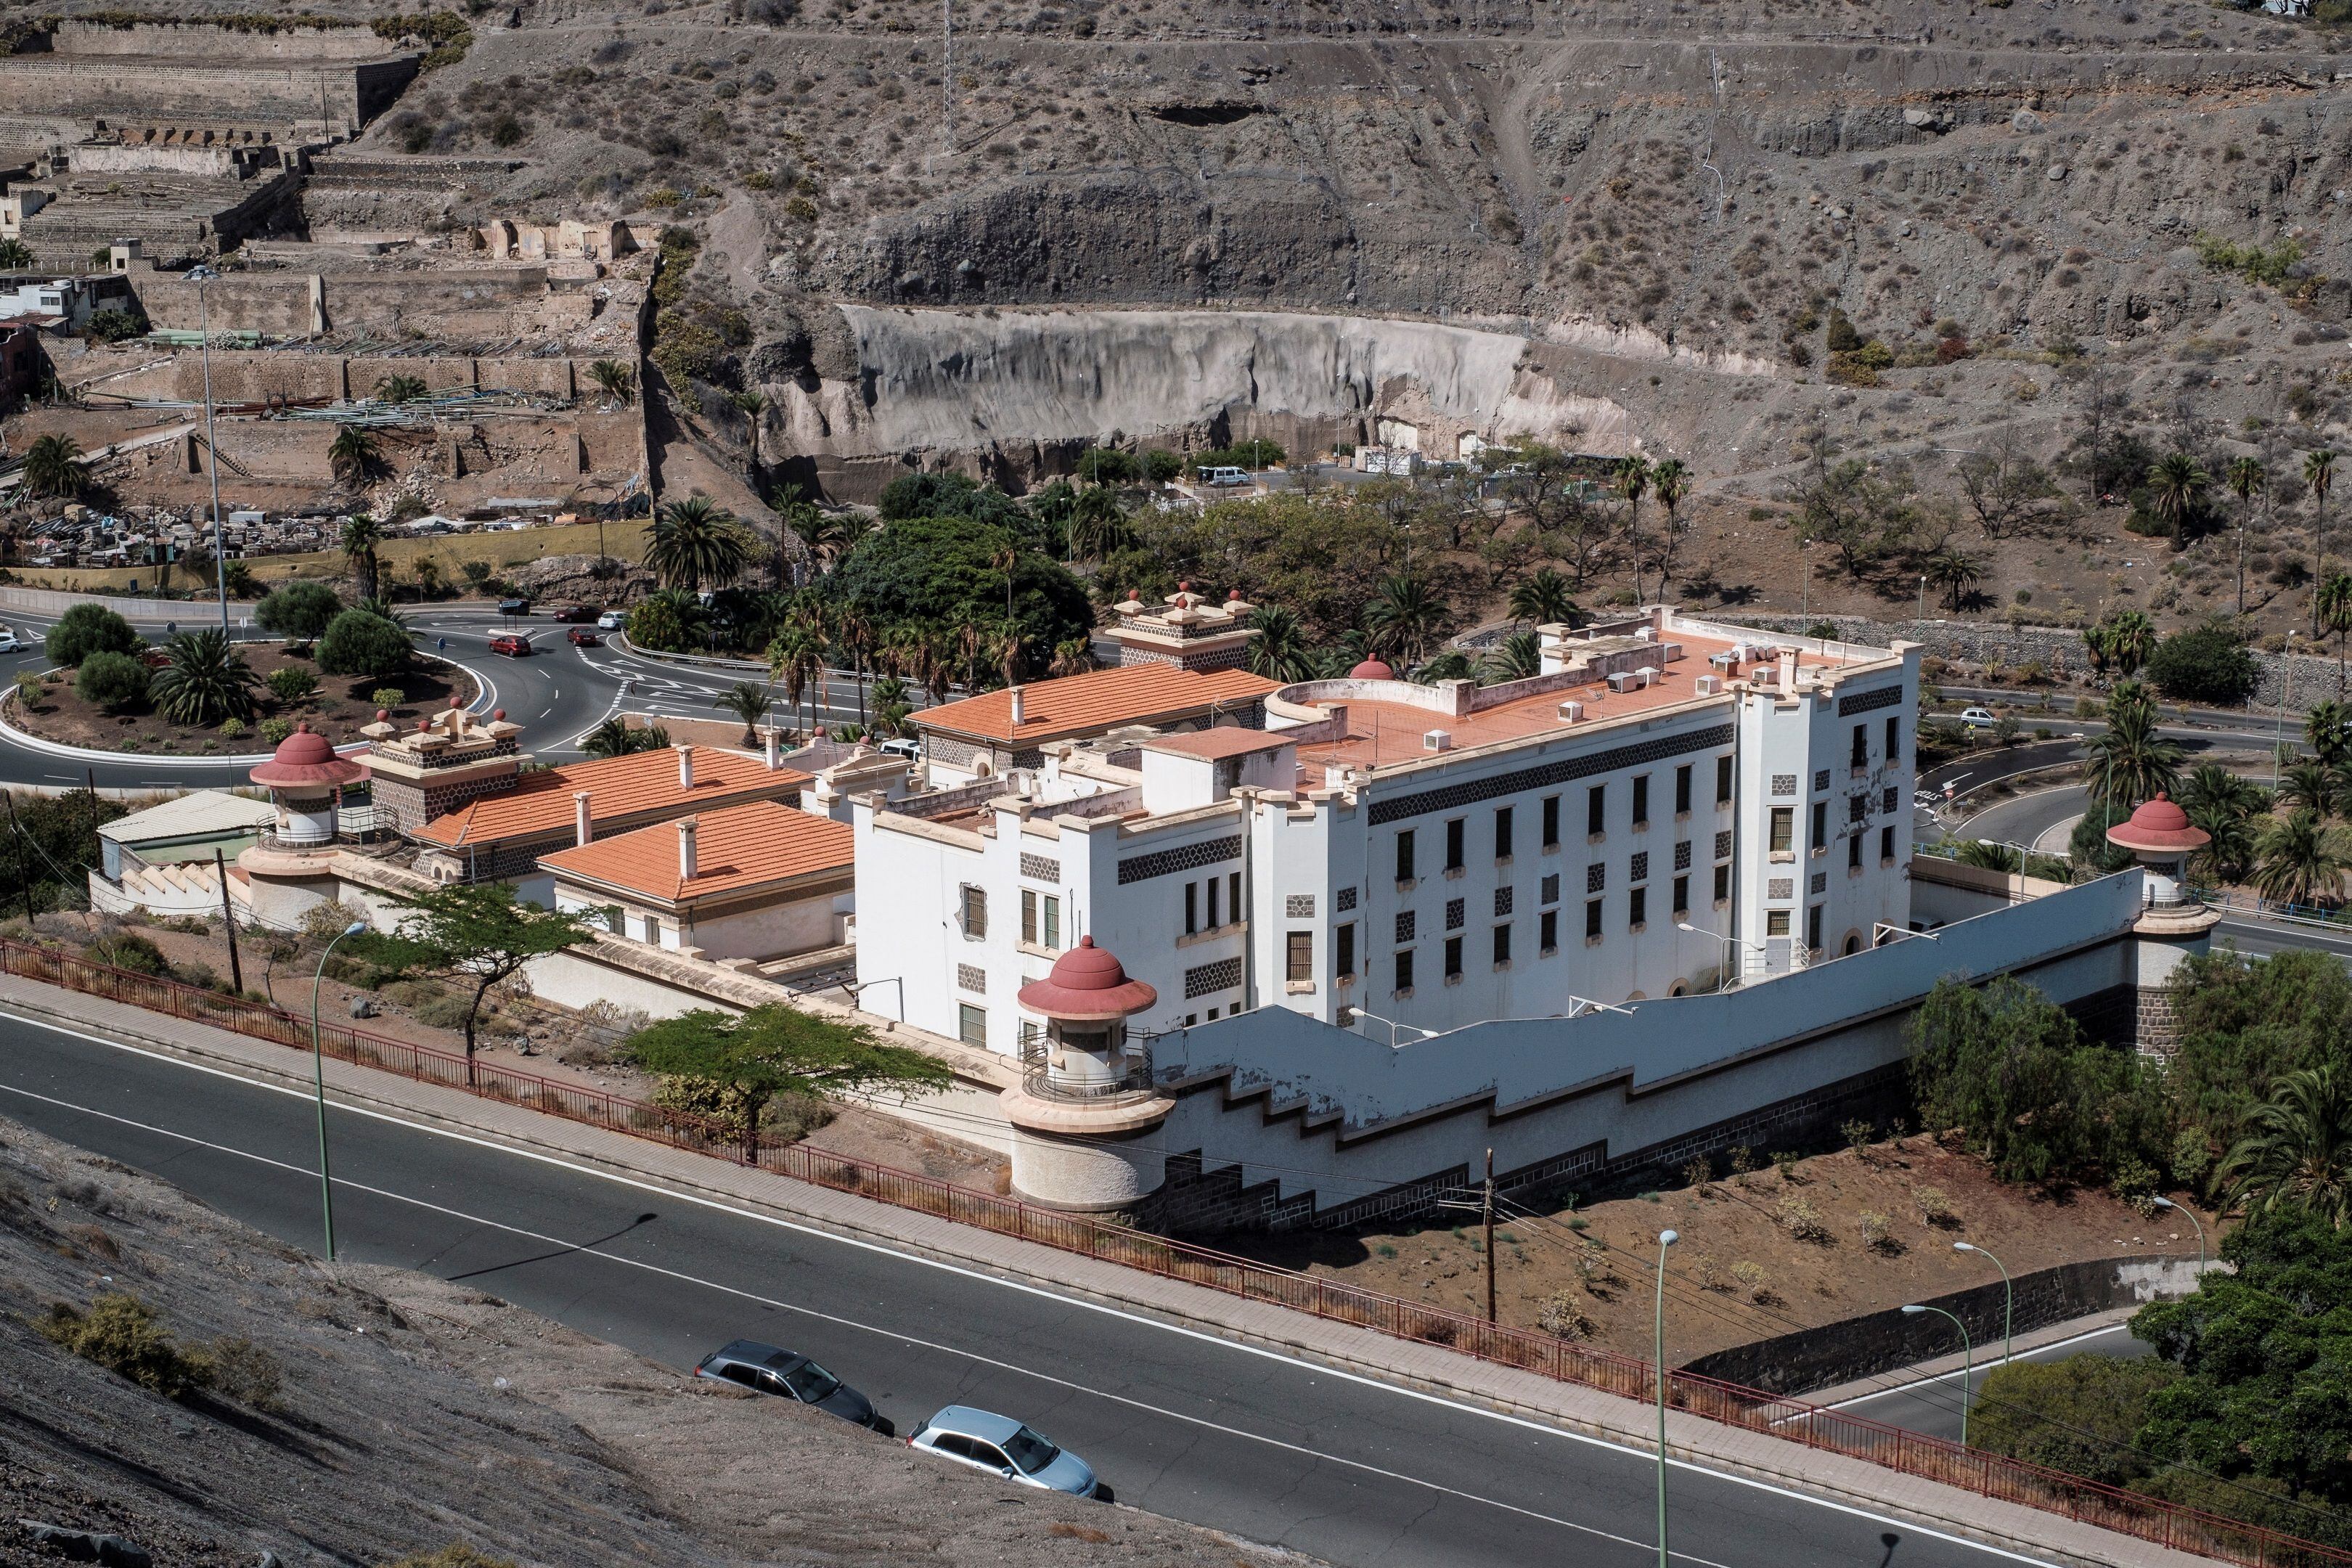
<point>2286,695</point>
<point>1968,1363</point>
<point>1658,1348</point>
<point>1722,959</point>
<point>2008,1293</point>
<point>318,1082</point>
<point>200,276</point>
<point>2180,1208</point>
<point>1348,1016</point>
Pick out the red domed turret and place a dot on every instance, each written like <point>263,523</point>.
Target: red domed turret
<point>304,757</point>
<point>1371,669</point>
<point>2158,828</point>
<point>1088,984</point>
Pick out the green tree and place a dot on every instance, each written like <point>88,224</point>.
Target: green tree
<point>2121,643</point>
<point>15,255</point>
<point>1543,599</point>
<point>796,658</point>
<point>2329,728</point>
<point>361,536</point>
<point>53,467</point>
<point>1280,651</point>
<point>1404,618</point>
<point>399,388</point>
<point>697,543</point>
<point>2129,759</point>
<point>300,611</point>
<point>614,380</point>
<point>478,934</point>
<point>749,701</point>
<point>930,572</point>
<point>2296,862</point>
<point>1098,526</point>
<point>2080,1415</point>
<point>613,738</point>
<point>1518,656</point>
<point>114,681</point>
<point>665,621</point>
<point>2297,1150</point>
<point>773,1050</point>
<point>2176,483</point>
<point>206,680</point>
<point>1670,481</point>
<point>1631,478</point>
<point>1856,511</point>
<point>2309,786</point>
<point>2246,478</point>
<point>2334,599</point>
<point>1956,573</point>
<point>353,454</point>
<point>2224,807</point>
<point>363,642</point>
<point>2207,664</point>
<point>85,629</point>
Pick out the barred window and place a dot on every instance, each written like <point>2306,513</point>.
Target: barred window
<point>1596,876</point>
<point>1640,869</point>
<point>1888,800</point>
<point>1344,899</point>
<point>1784,783</point>
<point>1503,900</point>
<point>1723,846</point>
<point>1820,779</point>
<point>1820,883</point>
<point>1683,856</point>
<point>1858,808</point>
<point>1550,891</point>
<point>1454,913</point>
<point>1404,924</point>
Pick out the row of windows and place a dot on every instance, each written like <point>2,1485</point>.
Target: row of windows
<point>1596,811</point>
<point>1201,899</point>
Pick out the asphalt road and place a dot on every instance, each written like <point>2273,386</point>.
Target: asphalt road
<point>1351,1471</point>
<point>1932,1405</point>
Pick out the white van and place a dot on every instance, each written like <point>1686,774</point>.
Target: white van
<point>1224,476</point>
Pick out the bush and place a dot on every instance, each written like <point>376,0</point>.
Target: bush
<point>2079,1415</point>
<point>114,681</point>
<point>86,629</point>
<point>1755,1281</point>
<point>231,728</point>
<point>120,1333</point>
<point>455,1555</point>
<point>387,697</point>
<point>2204,664</point>
<point>288,684</point>
<point>300,611</point>
<point>246,1373</point>
<point>360,642</point>
<point>1933,1207</point>
<point>112,325</point>
<point>129,950</point>
<point>1564,1313</point>
<point>274,731</point>
<point>1801,1219</point>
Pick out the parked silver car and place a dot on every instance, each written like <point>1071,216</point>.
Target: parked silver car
<point>765,1369</point>
<point>1005,1446</point>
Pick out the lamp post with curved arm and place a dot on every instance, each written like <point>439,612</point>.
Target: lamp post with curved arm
<point>2008,1293</point>
<point>1968,1363</point>
<point>318,1082</point>
<point>1658,1348</point>
<point>2183,1208</point>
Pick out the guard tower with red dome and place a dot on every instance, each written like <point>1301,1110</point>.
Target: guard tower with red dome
<point>305,779</point>
<point>1085,1102</point>
<point>2173,923</point>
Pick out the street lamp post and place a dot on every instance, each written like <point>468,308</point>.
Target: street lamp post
<point>1658,1348</point>
<point>1722,959</point>
<point>200,276</point>
<point>1350,1015</point>
<point>2181,1208</point>
<point>1968,1363</point>
<point>2008,1294</point>
<point>318,1082</point>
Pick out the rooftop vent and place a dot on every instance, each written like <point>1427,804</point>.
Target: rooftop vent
<point>1569,712</point>
<point>1436,741</point>
<point>1625,680</point>
<point>1708,685</point>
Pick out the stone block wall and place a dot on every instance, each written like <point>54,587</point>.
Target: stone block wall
<point>280,304</point>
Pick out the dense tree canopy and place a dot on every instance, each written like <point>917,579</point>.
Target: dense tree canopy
<point>2246,1023</point>
<point>944,572</point>
<point>2204,664</point>
<point>85,629</point>
<point>302,610</point>
<point>360,642</point>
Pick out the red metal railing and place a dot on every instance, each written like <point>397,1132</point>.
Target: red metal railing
<point>1933,1458</point>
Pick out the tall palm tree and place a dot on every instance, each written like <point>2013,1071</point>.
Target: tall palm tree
<point>1632,478</point>
<point>1097,526</point>
<point>2246,478</point>
<point>616,381</point>
<point>2176,483</point>
<point>2309,786</point>
<point>2319,477</point>
<point>2333,600</point>
<point>15,255</point>
<point>1670,481</point>
<point>749,701</point>
<point>1542,600</point>
<point>2122,642</point>
<point>2297,1151</point>
<point>2296,863</point>
<point>697,543</point>
<point>352,454</point>
<point>1517,656</point>
<point>53,467</point>
<point>1010,651</point>
<point>361,535</point>
<point>206,680</point>
<point>2329,728</point>
<point>1404,617</point>
<point>1280,651</point>
<point>797,658</point>
<point>2129,760</point>
<point>1954,572</point>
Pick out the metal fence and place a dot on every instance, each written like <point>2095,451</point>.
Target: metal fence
<point>1933,1458</point>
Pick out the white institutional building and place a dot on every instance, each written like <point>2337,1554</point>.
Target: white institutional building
<point>1668,797</point>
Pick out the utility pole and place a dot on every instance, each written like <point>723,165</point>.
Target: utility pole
<point>228,924</point>
<point>24,881</point>
<point>1490,1216</point>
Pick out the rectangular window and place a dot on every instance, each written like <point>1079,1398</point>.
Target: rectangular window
<point>1722,883</point>
<point>975,912</point>
<point>1233,897</point>
<point>1723,780</point>
<point>1550,890</point>
<point>1821,824</point>
<point>1453,957</point>
<point>1596,807</point>
<point>1854,852</point>
<point>1029,916</point>
<point>1592,917</point>
<point>1813,926</point>
<point>1683,790</point>
<point>1456,831</point>
<point>1895,743</point>
<point>1191,908</point>
<point>1213,921</point>
<point>1637,909</point>
<point>1642,800</point>
<point>1551,822</point>
<point>1886,844</point>
<point>615,921</point>
<point>1404,970</point>
<point>972,1024</point>
<point>1776,922</point>
<point>1343,947</point>
<point>1503,833</point>
<point>1784,828</point>
<point>1502,944</point>
<point>1053,942</point>
<point>1861,758</point>
<point>1300,955</point>
<point>1682,895</point>
<point>1548,931</point>
<point>1404,856</point>
<point>653,931</point>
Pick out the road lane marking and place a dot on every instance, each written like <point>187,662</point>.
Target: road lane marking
<point>1980,1367</point>
<point>977,1276</point>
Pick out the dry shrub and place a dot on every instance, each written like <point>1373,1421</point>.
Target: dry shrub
<point>120,1332</point>
<point>1755,1281</point>
<point>246,1373</point>
<point>1934,1207</point>
<point>1564,1313</point>
<point>1085,1532</point>
<point>1878,1232</point>
<point>1707,1274</point>
<point>1802,1219</point>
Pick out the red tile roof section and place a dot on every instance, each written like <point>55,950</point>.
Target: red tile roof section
<point>742,846</point>
<point>1101,700</point>
<point>541,802</point>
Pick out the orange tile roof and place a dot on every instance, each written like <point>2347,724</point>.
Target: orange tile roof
<point>541,802</point>
<point>741,847</point>
<point>1101,700</point>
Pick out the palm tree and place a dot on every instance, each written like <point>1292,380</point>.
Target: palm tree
<point>2329,728</point>
<point>2246,478</point>
<point>1543,600</point>
<point>2121,643</point>
<point>697,543</point>
<point>352,454</point>
<point>1404,617</point>
<point>399,388</point>
<point>2176,483</point>
<point>2309,786</point>
<point>1073,656</point>
<point>1986,855</point>
<point>749,701</point>
<point>53,467</point>
<point>1517,656</point>
<point>2319,478</point>
<point>797,660</point>
<point>1956,573</point>
<point>616,381</point>
<point>2297,1151</point>
<point>1097,526</point>
<point>206,680</point>
<point>1011,651</point>
<point>890,705</point>
<point>361,535</point>
<point>15,255</point>
<point>1280,650</point>
<point>1450,665</point>
<point>2333,600</point>
<point>1670,481</point>
<point>1633,481</point>
<point>2129,761</point>
<point>2295,863</point>
<point>613,738</point>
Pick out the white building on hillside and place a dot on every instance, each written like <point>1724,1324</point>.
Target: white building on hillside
<point>1401,858</point>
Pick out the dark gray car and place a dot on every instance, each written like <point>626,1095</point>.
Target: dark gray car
<point>769,1370</point>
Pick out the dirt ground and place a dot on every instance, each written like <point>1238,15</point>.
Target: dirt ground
<point>1601,1257</point>
<point>337,709</point>
<point>409,1414</point>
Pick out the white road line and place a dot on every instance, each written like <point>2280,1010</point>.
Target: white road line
<point>1980,1367</point>
<point>640,1184</point>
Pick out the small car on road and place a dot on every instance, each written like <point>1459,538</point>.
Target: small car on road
<point>1979,718</point>
<point>8,643</point>
<point>766,1369</point>
<point>611,621</point>
<point>576,615</point>
<point>511,645</point>
<point>583,637</point>
<point>1005,1446</point>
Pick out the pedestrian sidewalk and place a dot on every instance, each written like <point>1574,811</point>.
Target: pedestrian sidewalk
<point>1408,1364</point>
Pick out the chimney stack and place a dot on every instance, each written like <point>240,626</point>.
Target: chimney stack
<point>685,766</point>
<point>776,749</point>
<point>1020,709</point>
<point>581,832</point>
<point>1787,669</point>
<point>685,858</point>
